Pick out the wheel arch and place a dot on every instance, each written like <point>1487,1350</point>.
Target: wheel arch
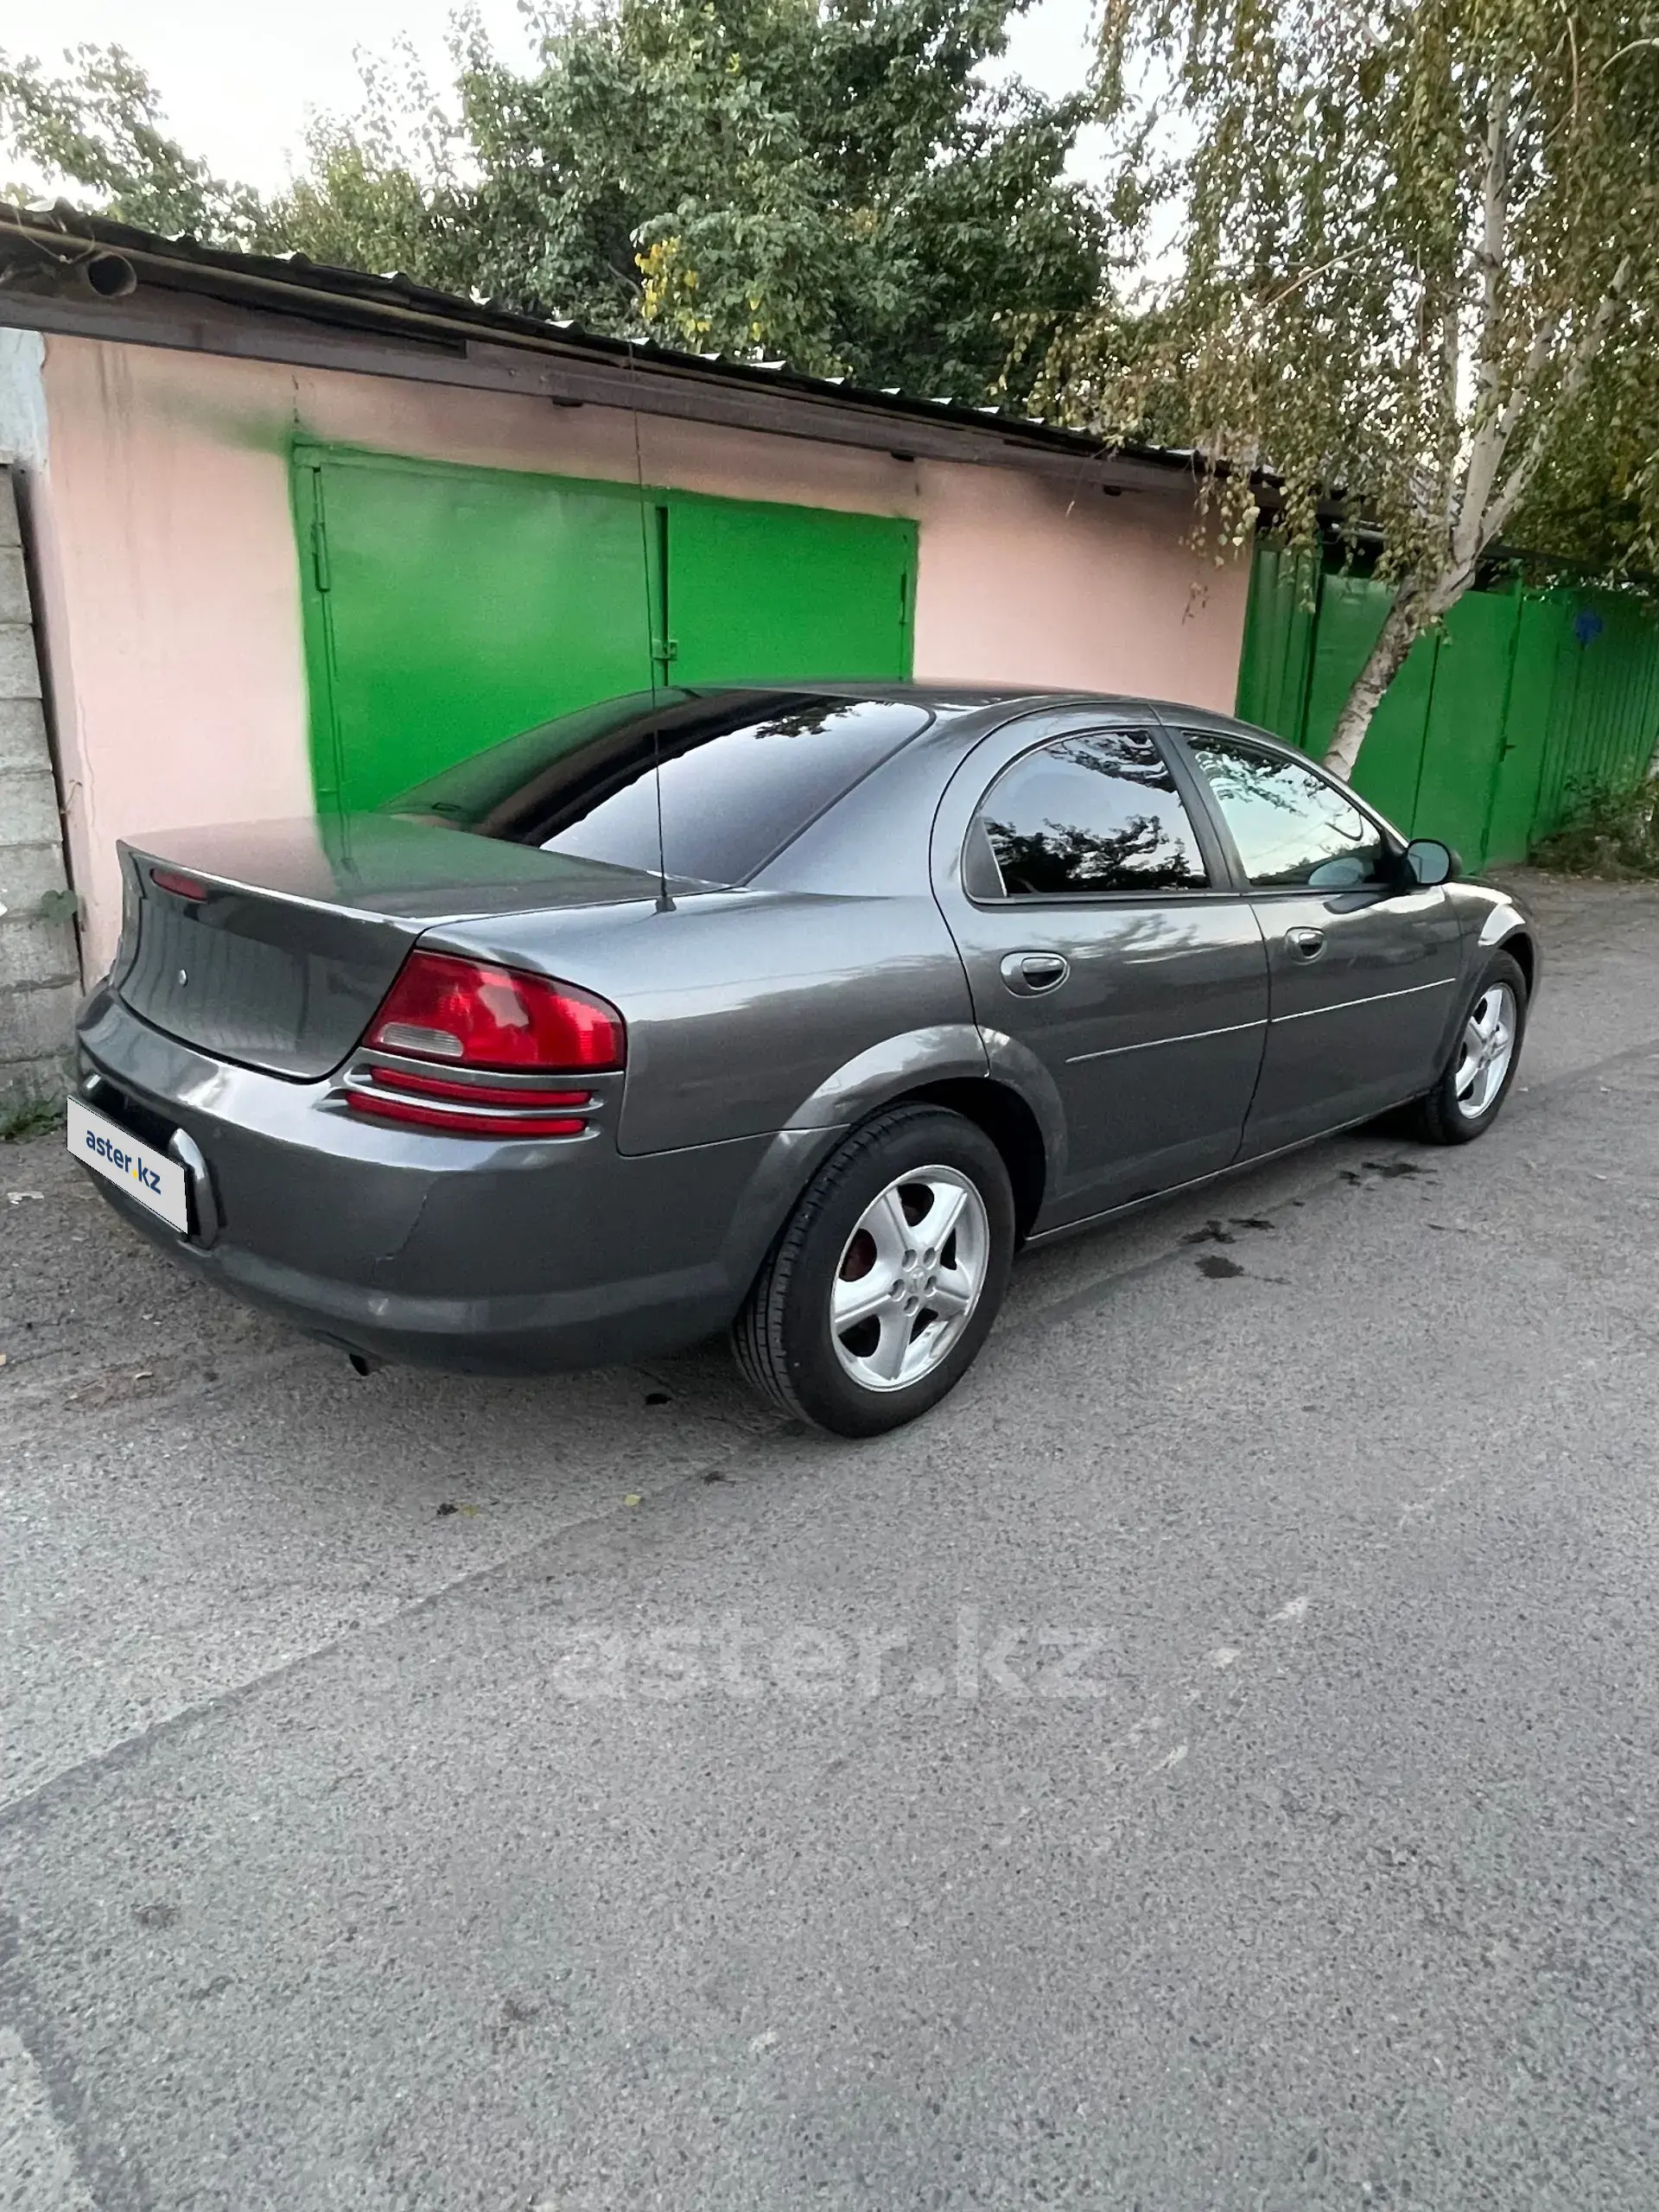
<point>1521,949</point>
<point>1506,926</point>
<point>796,1154</point>
<point>1008,1119</point>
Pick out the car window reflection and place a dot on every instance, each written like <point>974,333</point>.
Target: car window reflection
<point>1291,827</point>
<point>1092,813</point>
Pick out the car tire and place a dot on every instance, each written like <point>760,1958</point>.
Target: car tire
<point>858,1237</point>
<point>1466,1100</point>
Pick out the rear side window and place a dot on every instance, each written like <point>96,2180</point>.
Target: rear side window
<point>1085,816</point>
<point>742,775</point>
<point>1292,828</point>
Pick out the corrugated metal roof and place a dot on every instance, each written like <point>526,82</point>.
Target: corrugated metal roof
<point>353,299</point>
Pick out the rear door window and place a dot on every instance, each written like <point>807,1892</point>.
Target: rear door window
<point>1089,815</point>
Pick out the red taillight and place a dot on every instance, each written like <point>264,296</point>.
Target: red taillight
<point>181,886</point>
<point>467,1013</point>
<point>477,1016</point>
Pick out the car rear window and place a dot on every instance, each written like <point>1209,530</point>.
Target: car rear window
<point>736,775</point>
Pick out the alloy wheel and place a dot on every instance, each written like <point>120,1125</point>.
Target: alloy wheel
<point>909,1276</point>
<point>1484,1051</point>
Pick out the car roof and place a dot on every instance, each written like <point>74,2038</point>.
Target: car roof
<point>949,705</point>
<point>961,714</point>
<point>943,697</point>
<point>940,695</point>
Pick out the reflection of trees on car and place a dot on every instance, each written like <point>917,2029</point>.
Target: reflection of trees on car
<point>1140,855</point>
<point>1126,755</point>
<point>1235,778</point>
<point>1042,849</point>
<point>1239,782</point>
<point>806,722</point>
<point>1290,827</point>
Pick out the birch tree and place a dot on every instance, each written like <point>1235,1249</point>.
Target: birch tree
<point>1412,236</point>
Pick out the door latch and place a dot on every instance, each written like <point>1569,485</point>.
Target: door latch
<point>1028,974</point>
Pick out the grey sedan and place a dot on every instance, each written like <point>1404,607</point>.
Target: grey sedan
<point>791,1013</point>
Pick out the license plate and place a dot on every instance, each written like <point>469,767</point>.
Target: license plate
<point>138,1169</point>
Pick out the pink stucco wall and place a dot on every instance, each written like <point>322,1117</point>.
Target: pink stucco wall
<point>172,597</point>
<point>1023,578</point>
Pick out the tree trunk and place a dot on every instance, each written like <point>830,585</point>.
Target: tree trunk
<point>1408,618</point>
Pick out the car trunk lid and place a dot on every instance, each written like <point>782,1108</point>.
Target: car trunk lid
<point>272,944</point>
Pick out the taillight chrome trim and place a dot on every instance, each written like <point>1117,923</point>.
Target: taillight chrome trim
<point>472,1089</point>
<point>464,1102</point>
<point>460,1122</point>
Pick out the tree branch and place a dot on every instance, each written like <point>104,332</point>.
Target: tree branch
<point>1634,47</point>
<point>1579,361</point>
<point>1537,356</point>
<point>1490,434</point>
<point>1449,352</point>
<point>1494,223</point>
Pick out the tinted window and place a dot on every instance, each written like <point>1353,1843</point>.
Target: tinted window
<point>1290,826</point>
<point>741,773</point>
<point>1091,815</point>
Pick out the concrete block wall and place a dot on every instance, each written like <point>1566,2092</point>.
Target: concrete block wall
<point>40,967</point>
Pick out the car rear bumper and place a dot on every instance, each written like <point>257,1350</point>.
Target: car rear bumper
<point>436,1251</point>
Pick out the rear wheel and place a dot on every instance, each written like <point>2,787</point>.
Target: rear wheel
<point>1476,1079</point>
<point>885,1279</point>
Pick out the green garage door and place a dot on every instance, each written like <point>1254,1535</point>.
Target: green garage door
<point>450,608</point>
<point>1500,723</point>
<point>758,592</point>
<point>447,608</point>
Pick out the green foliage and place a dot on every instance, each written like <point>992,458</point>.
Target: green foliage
<point>1593,508</point>
<point>826,181</point>
<point>29,1117</point>
<point>1363,289</point>
<point>1417,265</point>
<point>100,126</point>
<point>1609,833</point>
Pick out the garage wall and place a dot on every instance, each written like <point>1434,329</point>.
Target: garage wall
<point>171,582</point>
<point>39,982</point>
<point>1024,579</point>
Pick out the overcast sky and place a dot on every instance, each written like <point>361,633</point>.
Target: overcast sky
<point>239,78</point>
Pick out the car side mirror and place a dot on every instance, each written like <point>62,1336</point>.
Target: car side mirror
<point>1428,861</point>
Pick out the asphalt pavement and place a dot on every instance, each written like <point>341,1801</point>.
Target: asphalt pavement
<point>1212,1762</point>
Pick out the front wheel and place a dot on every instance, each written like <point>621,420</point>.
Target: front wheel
<point>1484,1055</point>
<point>885,1281</point>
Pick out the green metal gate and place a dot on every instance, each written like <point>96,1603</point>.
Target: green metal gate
<point>448,607</point>
<point>1522,701</point>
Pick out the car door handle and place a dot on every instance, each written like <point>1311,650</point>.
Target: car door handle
<point>1028,974</point>
<point>1304,944</point>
